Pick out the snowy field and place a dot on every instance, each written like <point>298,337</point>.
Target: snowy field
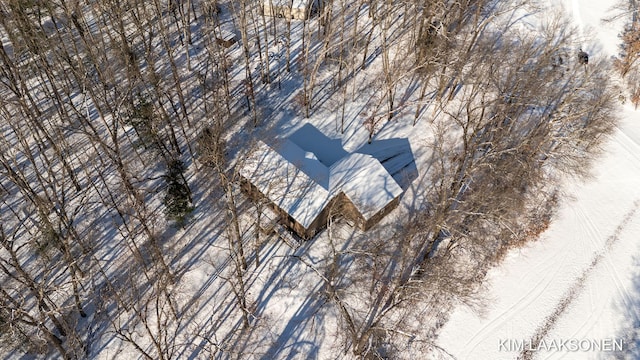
<point>575,293</point>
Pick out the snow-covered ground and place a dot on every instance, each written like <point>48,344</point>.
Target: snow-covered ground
<point>577,289</point>
<point>582,277</point>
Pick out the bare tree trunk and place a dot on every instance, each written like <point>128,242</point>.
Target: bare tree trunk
<point>250,91</point>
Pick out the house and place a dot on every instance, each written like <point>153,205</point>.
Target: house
<point>226,38</point>
<point>290,9</point>
<point>306,187</point>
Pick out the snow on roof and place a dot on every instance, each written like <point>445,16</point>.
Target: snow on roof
<point>396,157</point>
<point>227,35</point>
<point>311,139</point>
<point>394,154</point>
<point>305,161</point>
<point>299,183</point>
<point>295,4</point>
<point>365,182</point>
<point>285,181</point>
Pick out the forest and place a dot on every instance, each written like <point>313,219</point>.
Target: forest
<point>123,229</point>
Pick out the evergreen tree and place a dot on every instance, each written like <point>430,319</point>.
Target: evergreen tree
<point>177,200</point>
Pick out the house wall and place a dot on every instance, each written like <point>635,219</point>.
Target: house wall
<point>226,40</point>
<point>335,206</point>
<point>347,210</point>
<point>339,205</point>
<point>285,218</point>
<point>366,225</point>
<point>350,212</point>
<point>285,11</point>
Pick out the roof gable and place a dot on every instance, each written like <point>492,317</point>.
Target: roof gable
<point>285,184</point>
<point>365,182</point>
<point>303,179</point>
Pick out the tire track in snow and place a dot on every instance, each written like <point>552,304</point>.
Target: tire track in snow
<point>505,316</point>
<point>594,234</point>
<point>629,144</point>
<point>631,147</point>
<point>575,10</point>
<point>577,286</point>
<point>549,270</point>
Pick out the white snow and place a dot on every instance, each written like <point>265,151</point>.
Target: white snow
<point>590,248</point>
<point>582,277</point>
<point>292,182</point>
<point>365,182</point>
<point>295,4</point>
<point>395,155</point>
<point>312,140</point>
<point>302,181</point>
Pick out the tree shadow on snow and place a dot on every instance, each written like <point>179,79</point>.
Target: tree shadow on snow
<point>629,331</point>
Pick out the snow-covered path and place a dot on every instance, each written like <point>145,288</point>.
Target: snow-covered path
<point>581,280</point>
